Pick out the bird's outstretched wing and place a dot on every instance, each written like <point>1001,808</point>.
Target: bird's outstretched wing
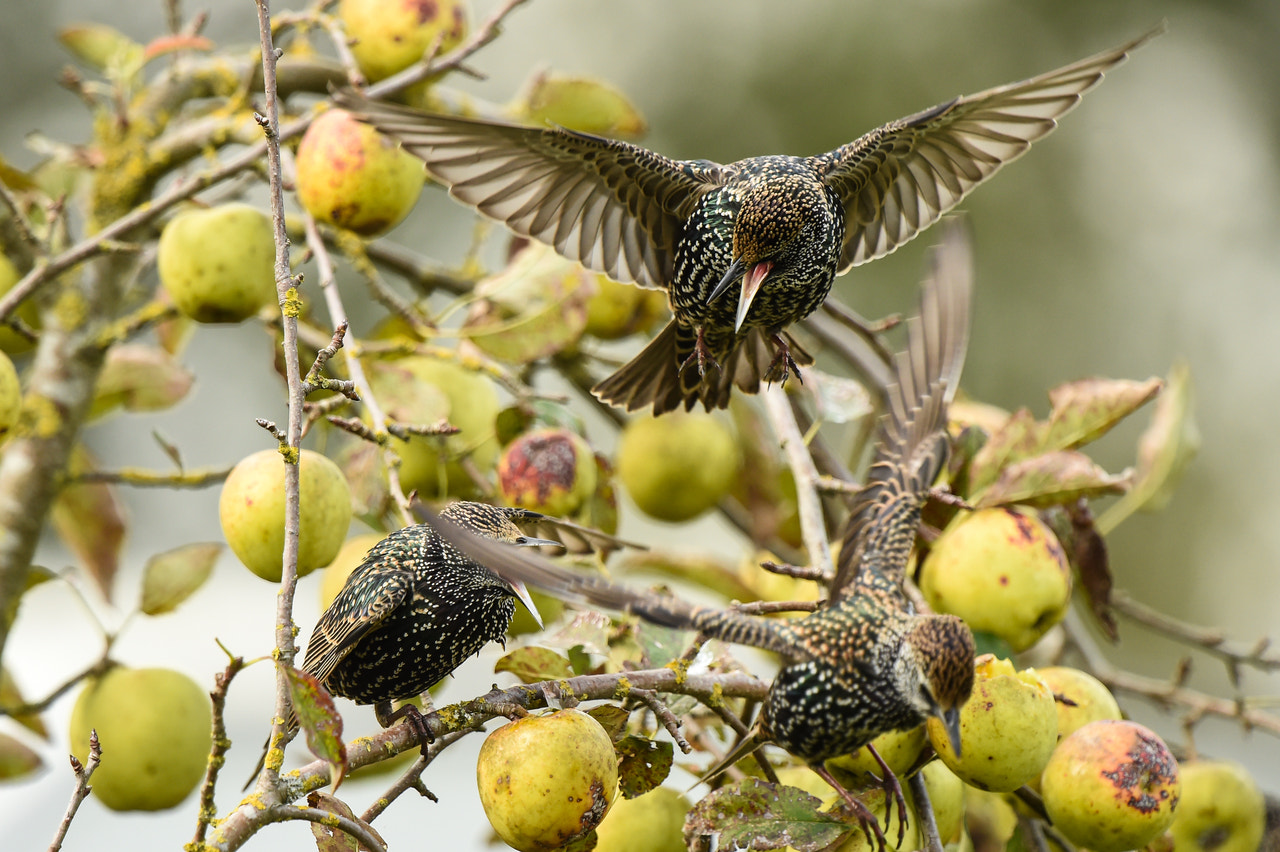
<point>616,208</point>
<point>912,444</point>
<point>899,179</point>
<point>360,608</point>
<point>519,565</point>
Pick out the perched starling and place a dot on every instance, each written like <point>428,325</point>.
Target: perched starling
<point>865,663</point>
<point>743,250</point>
<point>415,610</point>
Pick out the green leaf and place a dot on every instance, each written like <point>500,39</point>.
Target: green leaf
<point>588,631</point>
<point>612,718</point>
<point>90,521</point>
<point>644,764</point>
<point>1086,410</point>
<point>104,49</point>
<point>755,814</point>
<point>11,696</point>
<point>319,721</point>
<point>534,665</point>
<point>333,839</point>
<point>579,103</point>
<point>172,577</point>
<point>533,309</point>
<point>1018,438</point>
<point>1164,451</point>
<point>140,378</point>
<point>1052,479</point>
<point>16,759</point>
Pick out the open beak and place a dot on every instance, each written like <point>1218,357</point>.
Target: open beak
<point>750,286</point>
<point>522,591</point>
<point>951,721</point>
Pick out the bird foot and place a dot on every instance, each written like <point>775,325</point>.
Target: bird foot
<point>870,827</point>
<point>892,794</point>
<point>413,718</point>
<point>783,365</point>
<point>701,355</point>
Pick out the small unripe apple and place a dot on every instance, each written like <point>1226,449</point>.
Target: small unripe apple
<point>653,822</point>
<point>1090,700</point>
<point>154,727</point>
<point>1002,571</point>
<point>10,340</point>
<point>618,310</point>
<point>10,396</point>
<point>1008,728</point>
<point>350,175</point>
<point>547,780</point>
<point>251,509</point>
<point>1111,786</point>
<point>1221,809</point>
<point>677,466</point>
<point>218,264</point>
<point>552,471</point>
<point>390,35</point>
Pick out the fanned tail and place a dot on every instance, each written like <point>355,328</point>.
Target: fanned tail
<point>913,446</point>
<point>653,377</point>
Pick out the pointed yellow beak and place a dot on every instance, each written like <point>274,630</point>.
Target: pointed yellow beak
<point>750,286</point>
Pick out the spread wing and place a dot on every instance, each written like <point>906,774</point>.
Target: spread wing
<point>360,608</point>
<point>912,445</point>
<point>899,179</point>
<point>614,207</point>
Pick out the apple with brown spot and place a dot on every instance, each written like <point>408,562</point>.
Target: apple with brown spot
<point>552,471</point>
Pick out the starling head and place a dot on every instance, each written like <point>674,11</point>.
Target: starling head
<point>497,523</point>
<point>935,670</point>
<point>770,233</point>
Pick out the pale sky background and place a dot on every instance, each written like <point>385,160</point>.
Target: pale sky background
<point>1143,231</point>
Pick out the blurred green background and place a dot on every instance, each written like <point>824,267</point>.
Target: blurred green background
<point>1145,230</point>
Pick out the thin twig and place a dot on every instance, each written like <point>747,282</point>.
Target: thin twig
<point>1211,640</point>
<point>285,289</point>
<point>83,773</point>
<point>663,714</point>
<point>332,819</point>
<point>924,812</point>
<point>412,776</point>
<point>220,743</point>
<point>200,477</point>
<point>812,525</point>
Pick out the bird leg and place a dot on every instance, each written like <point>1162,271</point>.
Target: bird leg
<point>871,828</point>
<point>783,365</point>
<point>701,354</point>
<point>892,788</point>
<point>413,718</point>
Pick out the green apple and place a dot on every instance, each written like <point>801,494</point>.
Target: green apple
<point>1111,786</point>
<point>10,396</point>
<point>677,466</point>
<point>946,795</point>
<point>154,727</point>
<point>900,749</point>
<point>390,35</point>
<point>350,175</point>
<point>251,510</point>
<point>1008,728</point>
<point>1002,571</point>
<point>1090,699</point>
<point>618,310</point>
<point>547,780</point>
<point>1221,809</point>
<point>218,264</point>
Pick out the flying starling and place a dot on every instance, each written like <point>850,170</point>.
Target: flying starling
<point>866,662</point>
<point>414,610</point>
<point>743,250</point>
